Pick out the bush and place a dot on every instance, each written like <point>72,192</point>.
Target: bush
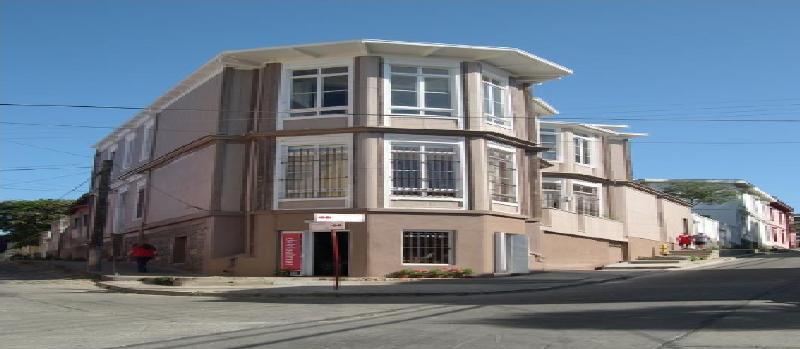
<point>161,280</point>
<point>431,273</point>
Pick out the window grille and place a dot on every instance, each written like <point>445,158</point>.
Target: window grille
<point>502,175</point>
<point>315,171</point>
<point>425,170</point>
<point>424,247</point>
<point>586,199</point>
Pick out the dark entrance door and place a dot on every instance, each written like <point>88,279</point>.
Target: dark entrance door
<point>323,253</point>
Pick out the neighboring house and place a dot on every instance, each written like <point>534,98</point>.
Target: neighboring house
<point>45,239</point>
<point>74,241</point>
<point>436,144</point>
<point>56,238</point>
<point>780,223</point>
<point>593,213</point>
<point>711,228</point>
<point>751,217</point>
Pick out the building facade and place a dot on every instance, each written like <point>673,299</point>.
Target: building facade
<point>755,218</point>
<point>435,145</point>
<point>715,232</point>
<point>593,213</point>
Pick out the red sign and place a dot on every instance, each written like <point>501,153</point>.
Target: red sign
<point>292,251</point>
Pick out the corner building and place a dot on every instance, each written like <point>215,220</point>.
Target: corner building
<point>435,144</point>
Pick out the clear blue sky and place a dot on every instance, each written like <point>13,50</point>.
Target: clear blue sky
<point>632,59</point>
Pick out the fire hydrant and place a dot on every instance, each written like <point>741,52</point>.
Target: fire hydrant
<point>664,249</point>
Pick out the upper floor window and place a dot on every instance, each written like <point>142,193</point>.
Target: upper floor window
<point>421,91</point>
<point>127,152</point>
<point>587,199</point>
<point>313,171</point>
<point>549,138</point>
<point>319,91</point>
<point>495,102</point>
<point>147,140</point>
<point>583,149</point>
<point>425,169</point>
<point>552,193</point>
<point>502,174</point>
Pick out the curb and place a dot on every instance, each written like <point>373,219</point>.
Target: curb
<point>120,289</point>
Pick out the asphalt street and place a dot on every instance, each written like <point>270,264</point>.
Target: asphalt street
<point>749,303</point>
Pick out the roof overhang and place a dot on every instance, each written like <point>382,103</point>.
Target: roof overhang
<point>521,65</point>
<point>542,108</point>
<point>611,130</point>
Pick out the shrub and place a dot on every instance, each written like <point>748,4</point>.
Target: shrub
<point>432,273</point>
<point>161,280</point>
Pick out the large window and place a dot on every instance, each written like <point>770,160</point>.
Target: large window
<point>495,102</point>
<point>319,91</point>
<point>147,140</point>
<point>426,170</point>
<point>502,175</point>
<point>587,199</point>
<point>552,193</point>
<point>427,247</point>
<point>583,149</point>
<point>549,139</point>
<point>127,160</point>
<point>420,91</point>
<point>314,171</point>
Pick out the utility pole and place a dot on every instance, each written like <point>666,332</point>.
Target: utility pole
<point>100,213</point>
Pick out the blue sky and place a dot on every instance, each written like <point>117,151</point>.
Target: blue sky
<point>653,60</point>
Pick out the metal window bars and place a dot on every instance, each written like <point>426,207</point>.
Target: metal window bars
<point>424,170</point>
<point>420,247</point>
<point>318,171</point>
<point>501,176</point>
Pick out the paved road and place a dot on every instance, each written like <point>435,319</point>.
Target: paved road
<point>750,303</point>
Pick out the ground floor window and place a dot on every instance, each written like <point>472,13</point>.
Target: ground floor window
<point>427,247</point>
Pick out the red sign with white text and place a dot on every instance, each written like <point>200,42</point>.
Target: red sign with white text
<point>292,251</point>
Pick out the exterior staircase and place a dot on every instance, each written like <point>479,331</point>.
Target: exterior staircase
<point>674,260</point>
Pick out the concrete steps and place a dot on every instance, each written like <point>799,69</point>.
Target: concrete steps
<point>656,261</point>
<point>648,266</point>
<point>664,258</point>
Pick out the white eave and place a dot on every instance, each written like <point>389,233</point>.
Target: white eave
<point>521,65</point>
<point>542,108</point>
<point>607,129</point>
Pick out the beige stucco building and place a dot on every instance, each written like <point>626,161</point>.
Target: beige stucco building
<point>435,144</point>
<point>593,214</point>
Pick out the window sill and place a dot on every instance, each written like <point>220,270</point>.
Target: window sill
<point>325,116</point>
<point>506,127</point>
<point>511,204</point>
<point>592,166</point>
<point>423,116</point>
<point>427,264</point>
<point>313,199</point>
<point>423,198</point>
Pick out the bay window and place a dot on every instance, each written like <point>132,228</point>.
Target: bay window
<point>495,102</point>
<point>319,91</point>
<point>586,199</point>
<point>549,138</point>
<point>583,149</point>
<point>502,174</point>
<point>421,91</point>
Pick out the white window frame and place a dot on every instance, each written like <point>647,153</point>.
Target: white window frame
<point>453,67</point>
<point>558,148</point>
<point>600,201</point>
<point>459,142</point>
<point>492,74</point>
<point>562,192</point>
<point>514,163</point>
<point>127,153</point>
<point>147,139</point>
<point>592,148</point>
<point>450,237</point>
<point>283,143</point>
<point>139,185</point>
<point>285,93</point>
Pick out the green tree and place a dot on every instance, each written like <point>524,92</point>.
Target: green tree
<point>25,219</point>
<point>701,192</point>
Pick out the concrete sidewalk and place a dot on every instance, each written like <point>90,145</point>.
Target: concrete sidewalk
<point>314,287</point>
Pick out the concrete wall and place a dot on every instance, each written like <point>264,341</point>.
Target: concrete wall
<point>181,184</point>
<point>559,251</point>
<point>190,117</point>
<point>674,215</point>
<point>638,210</point>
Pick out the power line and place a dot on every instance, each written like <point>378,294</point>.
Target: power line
<point>40,168</point>
<point>74,189</point>
<point>176,198</point>
<point>46,179</point>
<point>47,148</point>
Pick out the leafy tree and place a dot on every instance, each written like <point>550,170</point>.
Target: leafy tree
<point>25,219</point>
<point>701,192</point>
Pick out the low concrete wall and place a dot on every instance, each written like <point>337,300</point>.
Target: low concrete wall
<point>638,247</point>
<point>567,252</point>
